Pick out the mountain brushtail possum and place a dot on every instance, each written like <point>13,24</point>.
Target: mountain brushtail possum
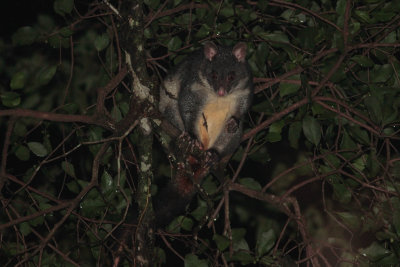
<point>206,96</point>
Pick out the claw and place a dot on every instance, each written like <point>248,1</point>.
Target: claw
<point>232,125</point>
<point>211,157</point>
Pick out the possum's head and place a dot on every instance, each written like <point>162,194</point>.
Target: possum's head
<point>226,68</point>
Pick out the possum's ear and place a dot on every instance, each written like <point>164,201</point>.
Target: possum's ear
<point>239,51</point>
<point>210,50</point>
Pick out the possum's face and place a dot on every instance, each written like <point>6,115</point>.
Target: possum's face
<point>226,69</point>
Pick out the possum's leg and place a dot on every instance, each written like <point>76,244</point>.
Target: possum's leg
<point>232,125</point>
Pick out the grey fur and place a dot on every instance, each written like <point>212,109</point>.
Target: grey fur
<point>214,74</point>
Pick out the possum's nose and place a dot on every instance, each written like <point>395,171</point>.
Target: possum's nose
<point>221,91</point>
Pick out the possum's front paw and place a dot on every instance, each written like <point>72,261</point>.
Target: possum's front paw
<point>187,143</point>
<point>232,125</point>
<point>210,157</point>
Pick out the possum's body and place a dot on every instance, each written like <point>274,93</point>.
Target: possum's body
<point>207,96</point>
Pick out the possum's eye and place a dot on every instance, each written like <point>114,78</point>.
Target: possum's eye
<point>214,75</point>
<point>231,76</point>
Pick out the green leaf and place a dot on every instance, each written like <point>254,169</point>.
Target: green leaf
<point>40,219</point>
<point>340,10</point>
<point>245,16</point>
<point>386,235</point>
<point>243,257</point>
<point>363,61</point>
<point>373,165</point>
<point>160,256</point>
<point>250,183</point>
<point>70,108</point>
<point>45,75</point>
<point>66,32</point>
<point>238,234</point>
<point>124,108</point>
<point>45,22</point>
<point>390,260</point>
<point>201,12</point>
<point>307,37</point>
<point>18,80</point>
<point>359,135</point>
<point>92,207</point>
<point>152,3</point>
<point>177,2</point>
<point>180,222</point>
<point>289,88</point>
<point>261,56</point>
<point>203,31</point>
<point>264,106</point>
<point>63,7</point>
<point>354,27</point>
<point>275,130</point>
<point>95,134</point>
<point>93,203</point>
<point>10,99</point>
<point>185,19</point>
<point>383,16</point>
<point>312,129</point>
<point>381,73</point>
<point>341,193</point>
<point>22,152</point>
<point>363,16</point>
<point>350,219</point>
<point>294,134</point>
<point>265,242</point>
<point>116,113</point>
<point>68,168</point>
<point>331,160</point>
<point>20,129</point>
<point>396,221</point>
<point>395,170</point>
<point>174,44</point>
<point>107,183</point>
<point>24,36</point>
<point>241,245</point>
<point>259,154</point>
<point>224,27</point>
<point>287,14</point>
<point>276,36</point>
<point>148,33</point>
<point>38,149</point>
<point>192,260</point>
<point>187,224</point>
<point>262,5</point>
<point>25,228</point>
<point>227,11</point>
<point>221,241</point>
<point>73,186</point>
<point>56,41</point>
<point>347,143</point>
<point>359,164</point>
<point>374,108</point>
<point>174,226</point>
<point>276,127</point>
<point>101,42</point>
<point>375,252</point>
<point>210,186</point>
<point>199,212</point>
<point>274,137</point>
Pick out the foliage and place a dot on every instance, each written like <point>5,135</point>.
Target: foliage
<point>316,180</point>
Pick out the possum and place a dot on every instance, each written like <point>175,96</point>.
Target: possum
<point>208,94</point>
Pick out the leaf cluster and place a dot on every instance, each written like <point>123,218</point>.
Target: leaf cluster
<point>315,181</point>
